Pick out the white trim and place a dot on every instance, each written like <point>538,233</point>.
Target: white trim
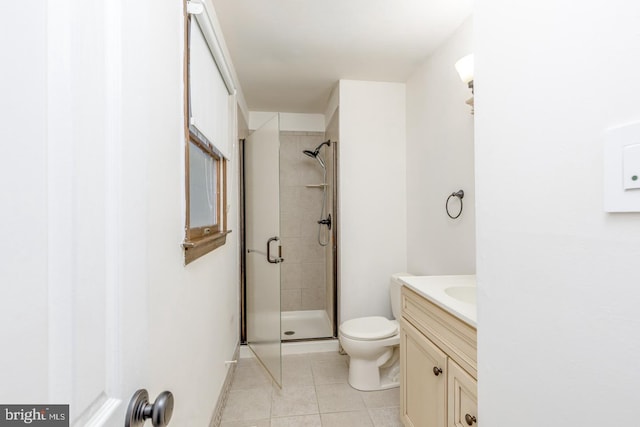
<point>113,197</point>
<point>60,184</point>
<point>103,413</point>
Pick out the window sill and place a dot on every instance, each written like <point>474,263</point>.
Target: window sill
<point>196,248</point>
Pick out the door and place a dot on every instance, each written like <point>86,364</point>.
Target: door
<point>73,287</point>
<point>424,380</point>
<point>462,396</point>
<point>262,230</point>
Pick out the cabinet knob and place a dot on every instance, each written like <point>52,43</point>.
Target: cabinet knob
<point>437,371</point>
<point>470,419</point>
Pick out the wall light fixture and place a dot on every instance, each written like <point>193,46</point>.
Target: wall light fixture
<point>464,66</point>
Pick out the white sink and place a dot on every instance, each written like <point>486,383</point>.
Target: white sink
<point>466,294</point>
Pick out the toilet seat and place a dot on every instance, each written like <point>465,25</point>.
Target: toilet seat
<point>369,328</point>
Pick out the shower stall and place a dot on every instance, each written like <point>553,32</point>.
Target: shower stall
<point>289,236</point>
<point>306,190</point>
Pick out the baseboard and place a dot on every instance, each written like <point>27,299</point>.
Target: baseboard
<point>216,419</point>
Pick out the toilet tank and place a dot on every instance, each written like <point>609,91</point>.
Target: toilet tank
<point>395,286</point>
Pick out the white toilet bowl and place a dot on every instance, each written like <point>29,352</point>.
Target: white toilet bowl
<point>373,354</point>
<point>372,344</point>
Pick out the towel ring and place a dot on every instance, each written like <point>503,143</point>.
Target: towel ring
<point>459,194</point>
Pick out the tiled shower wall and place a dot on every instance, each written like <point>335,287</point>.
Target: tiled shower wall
<point>303,277</point>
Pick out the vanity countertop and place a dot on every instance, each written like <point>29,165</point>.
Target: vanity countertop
<point>442,291</point>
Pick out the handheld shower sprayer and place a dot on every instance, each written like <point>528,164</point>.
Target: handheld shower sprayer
<point>323,221</point>
<point>316,153</point>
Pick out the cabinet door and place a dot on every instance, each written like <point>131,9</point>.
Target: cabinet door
<point>463,400</point>
<point>424,380</point>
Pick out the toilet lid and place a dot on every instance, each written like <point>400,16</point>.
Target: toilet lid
<point>369,328</point>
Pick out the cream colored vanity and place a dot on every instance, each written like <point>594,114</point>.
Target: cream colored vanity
<point>438,352</point>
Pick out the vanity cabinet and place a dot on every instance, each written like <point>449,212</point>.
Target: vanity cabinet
<point>438,366</point>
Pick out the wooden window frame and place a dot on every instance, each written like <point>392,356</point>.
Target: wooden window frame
<point>199,241</point>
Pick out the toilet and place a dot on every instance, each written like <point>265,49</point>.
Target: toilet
<point>373,346</point>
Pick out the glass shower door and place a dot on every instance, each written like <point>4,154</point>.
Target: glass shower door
<point>262,231</point>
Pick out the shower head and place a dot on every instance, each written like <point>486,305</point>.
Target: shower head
<point>316,153</point>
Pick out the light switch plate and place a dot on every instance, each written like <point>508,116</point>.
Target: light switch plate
<point>631,167</point>
<point>621,164</point>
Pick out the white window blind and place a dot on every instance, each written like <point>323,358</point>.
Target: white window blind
<point>208,94</point>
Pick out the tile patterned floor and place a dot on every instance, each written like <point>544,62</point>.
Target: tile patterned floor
<point>315,393</point>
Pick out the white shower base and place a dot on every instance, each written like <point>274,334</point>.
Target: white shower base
<point>305,324</point>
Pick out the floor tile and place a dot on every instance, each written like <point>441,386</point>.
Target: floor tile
<point>329,371</point>
<point>297,360</point>
<point>249,404</point>
<point>294,400</point>
<point>326,356</point>
<point>248,423</point>
<point>346,419</point>
<point>338,398</point>
<point>385,417</point>
<point>296,371</point>
<point>382,398</point>
<point>250,374</point>
<point>315,393</point>
<point>298,421</point>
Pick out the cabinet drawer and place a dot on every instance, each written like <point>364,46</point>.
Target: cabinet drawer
<point>453,336</point>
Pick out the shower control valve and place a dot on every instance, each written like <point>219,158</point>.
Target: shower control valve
<point>326,222</point>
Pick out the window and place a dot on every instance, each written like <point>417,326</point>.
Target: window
<point>207,125</point>
<point>206,227</point>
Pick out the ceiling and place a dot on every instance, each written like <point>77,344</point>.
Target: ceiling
<point>289,54</point>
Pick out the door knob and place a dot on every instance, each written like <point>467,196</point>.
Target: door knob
<point>437,371</point>
<point>140,409</point>
<point>470,419</point>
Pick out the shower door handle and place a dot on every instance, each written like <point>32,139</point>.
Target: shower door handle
<point>278,259</point>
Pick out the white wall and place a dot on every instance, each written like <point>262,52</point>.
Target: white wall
<point>558,278</point>
<point>372,230</point>
<point>440,162</point>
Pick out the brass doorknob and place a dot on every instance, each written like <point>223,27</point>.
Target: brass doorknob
<point>470,419</point>
<point>437,371</point>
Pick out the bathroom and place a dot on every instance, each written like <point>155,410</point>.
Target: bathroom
<point>556,274</point>
<point>365,269</point>
<point>438,157</point>
<point>375,210</point>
